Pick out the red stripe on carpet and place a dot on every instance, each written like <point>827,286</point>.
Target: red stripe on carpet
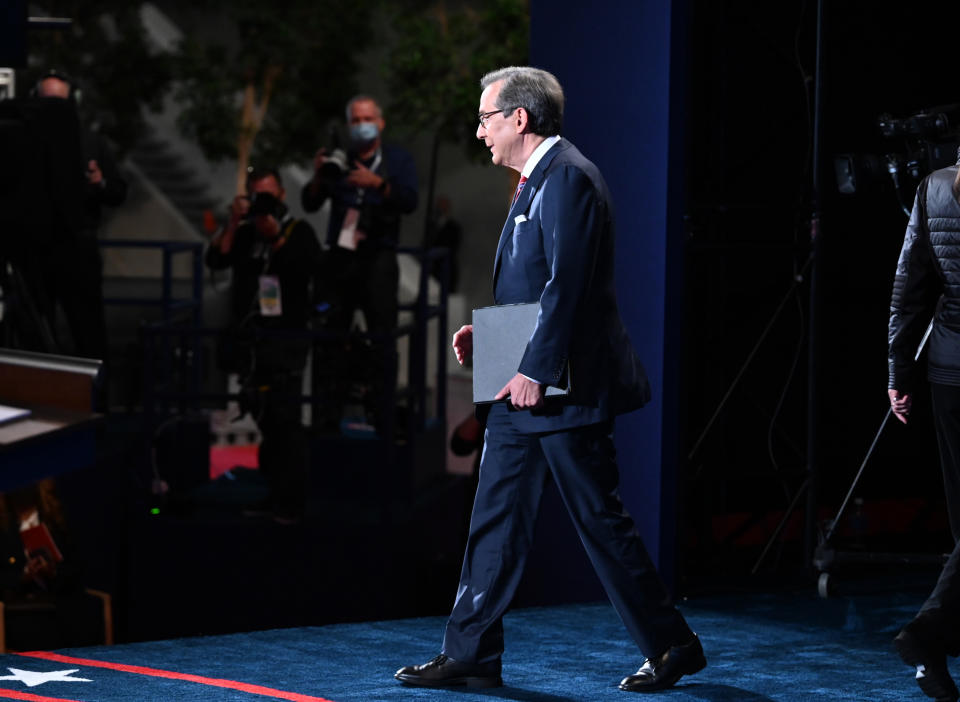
<point>14,695</point>
<point>154,672</point>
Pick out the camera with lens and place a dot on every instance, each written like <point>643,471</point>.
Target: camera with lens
<point>923,142</point>
<point>927,124</point>
<point>263,204</point>
<point>336,164</point>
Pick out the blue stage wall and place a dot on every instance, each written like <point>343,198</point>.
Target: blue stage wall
<point>621,66</point>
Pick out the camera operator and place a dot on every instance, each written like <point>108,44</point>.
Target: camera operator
<point>927,283</point>
<point>370,187</point>
<point>71,272</point>
<point>274,259</point>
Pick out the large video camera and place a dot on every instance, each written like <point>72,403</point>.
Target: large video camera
<point>928,140</point>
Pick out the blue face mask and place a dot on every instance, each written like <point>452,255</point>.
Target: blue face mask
<point>363,132</point>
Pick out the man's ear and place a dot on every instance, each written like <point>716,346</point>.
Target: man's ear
<point>522,120</point>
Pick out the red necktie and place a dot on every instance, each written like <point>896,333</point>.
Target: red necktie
<point>523,179</point>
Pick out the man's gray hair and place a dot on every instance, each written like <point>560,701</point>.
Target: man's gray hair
<point>533,89</point>
<point>363,98</point>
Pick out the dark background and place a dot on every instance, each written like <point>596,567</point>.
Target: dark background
<point>750,190</point>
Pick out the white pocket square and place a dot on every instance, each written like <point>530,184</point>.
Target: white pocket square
<point>519,219</point>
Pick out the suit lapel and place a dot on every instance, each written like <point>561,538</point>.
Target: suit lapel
<point>522,204</point>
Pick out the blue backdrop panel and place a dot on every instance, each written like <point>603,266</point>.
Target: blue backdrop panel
<point>13,33</point>
<point>621,68</point>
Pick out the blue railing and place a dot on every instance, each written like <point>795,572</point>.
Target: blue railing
<point>172,382</point>
<point>169,305</point>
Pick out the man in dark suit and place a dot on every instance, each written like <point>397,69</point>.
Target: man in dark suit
<point>556,248</point>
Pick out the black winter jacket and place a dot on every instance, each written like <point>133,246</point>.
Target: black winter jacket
<point>927,283</point>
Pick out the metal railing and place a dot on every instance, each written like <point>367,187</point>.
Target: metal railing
<point>169,305</point>
<point>173,357</point>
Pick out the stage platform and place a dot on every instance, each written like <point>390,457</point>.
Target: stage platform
<point>787,647</point>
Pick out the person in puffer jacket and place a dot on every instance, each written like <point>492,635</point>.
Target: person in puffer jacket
<point>927,283</point>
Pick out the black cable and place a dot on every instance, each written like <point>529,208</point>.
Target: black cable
<point>743,368</point>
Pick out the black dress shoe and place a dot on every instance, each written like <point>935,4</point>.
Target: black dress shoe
<point>446,672</point>
<point>663,672</point>
<point>930,660</point>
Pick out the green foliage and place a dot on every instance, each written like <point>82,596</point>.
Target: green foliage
<point>313,44</point>
<point>440,55</point>
<point>207,96</point>
<point>107,53</point>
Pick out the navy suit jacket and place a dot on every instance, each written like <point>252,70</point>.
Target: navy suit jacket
<point>557,247</point>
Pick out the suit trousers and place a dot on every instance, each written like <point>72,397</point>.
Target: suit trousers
<point>513,473</point>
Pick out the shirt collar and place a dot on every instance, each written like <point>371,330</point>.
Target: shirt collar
<point>537,154</point>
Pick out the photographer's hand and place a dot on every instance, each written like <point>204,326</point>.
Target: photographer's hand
<point>319,159</point>
<point>363,177</point>
<point>238,210</point>
<point>94,174</point>
<point>315,184</point>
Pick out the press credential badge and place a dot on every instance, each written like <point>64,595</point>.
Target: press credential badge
<point>271,304</point>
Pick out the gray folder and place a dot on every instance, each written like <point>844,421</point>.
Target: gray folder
<point>500,336</point>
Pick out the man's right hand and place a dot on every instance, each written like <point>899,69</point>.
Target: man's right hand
<point>223,240</point>
<point>900,404</point>
<point>319,159</point>
<point>463,344</point>
<point>94,174</point>
<point>239,208</point>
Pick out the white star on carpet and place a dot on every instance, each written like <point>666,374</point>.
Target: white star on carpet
<point>32,678</point>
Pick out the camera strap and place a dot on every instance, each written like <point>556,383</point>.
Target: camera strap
<point>348,237</point>
<point>285,234</point>
<point>269,294</point>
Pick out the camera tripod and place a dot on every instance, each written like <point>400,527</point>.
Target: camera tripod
<point>798,279</point>
<point>826,556</point>
<point>23,324</point>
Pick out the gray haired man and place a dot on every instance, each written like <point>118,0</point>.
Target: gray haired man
<point>556,249</point>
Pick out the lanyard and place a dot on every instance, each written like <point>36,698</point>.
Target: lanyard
<point>373,167</point>
<point>272,247</point>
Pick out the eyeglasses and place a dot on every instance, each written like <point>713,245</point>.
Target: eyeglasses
<point>484,116</point>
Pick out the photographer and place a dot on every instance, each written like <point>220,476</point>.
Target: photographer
<point>370,187</point>
<point>274,259</point>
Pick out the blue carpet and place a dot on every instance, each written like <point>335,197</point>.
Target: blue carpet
<point>783,647</point>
